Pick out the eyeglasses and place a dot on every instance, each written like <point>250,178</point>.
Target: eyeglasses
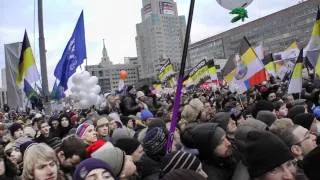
<point>306,136</point>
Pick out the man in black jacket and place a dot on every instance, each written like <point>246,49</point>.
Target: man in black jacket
<point>215,150</point>
<point>129,106</point>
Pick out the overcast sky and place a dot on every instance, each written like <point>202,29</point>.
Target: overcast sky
<point>113,20</point>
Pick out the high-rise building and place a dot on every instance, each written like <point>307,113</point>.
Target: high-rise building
<point>108,73</point>
<point>160,35</point>
<point>276,31</point>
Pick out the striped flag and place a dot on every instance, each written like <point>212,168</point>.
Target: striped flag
<point>269,64</point>
<point>166,71</point>
<point>292,52</point>
<point>250,70</point>
<point>212,71</point>
<point>295,85</point>
<point>312,50</point>
<point>27,66</point>
<point>28,90</point>
<point>229,69</point>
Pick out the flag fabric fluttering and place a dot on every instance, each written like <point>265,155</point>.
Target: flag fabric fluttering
<point>229,69</point>
<point>199,72</point>
<point>212,71</point>
<point>166,71</point>
<point>57,92</point>
<point>73,55</point>
<point>269,65</point>
<point>28,90</point>
<point>250,70</point>
<point>312,50</point>
<point>259,51</point>
<point>295,84</point>
<point>292,52</point>
<point>27,68</point>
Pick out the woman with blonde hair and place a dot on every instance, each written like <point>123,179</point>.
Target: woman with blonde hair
<point>40,163</point>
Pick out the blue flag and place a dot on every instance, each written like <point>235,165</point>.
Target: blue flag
<point>73,55</point>
<point>29,91</point>
<point>57,92</point>
<point>39,89</point>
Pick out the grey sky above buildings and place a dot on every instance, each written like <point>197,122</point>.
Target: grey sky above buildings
<point>113,20</point>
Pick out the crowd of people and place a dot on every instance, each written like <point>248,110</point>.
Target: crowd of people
<point>263,134</point>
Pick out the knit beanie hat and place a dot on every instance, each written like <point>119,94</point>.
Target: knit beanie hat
<point>82,129</point>
<point>84,168</point>
<point>264,151</point>
<point>21,140</point>
<point>155,141</point>
<point>54,142</point>
<point>128,145</point>
<point>266,117</point>
<point>94,146</point>
<point>316,112</point>
<point>222,118</point>
<point>311,164</point>
<point>295,110</point>
<point>24,146</point>
<point>179,160</point>
<point>304,119</point>
<point>206,137</point>
<point>15,127</point>
<point>249,125</point>
<point>183,174</point>
<point>120,133</point>
<point>146,114</point>
<point>113,156</point>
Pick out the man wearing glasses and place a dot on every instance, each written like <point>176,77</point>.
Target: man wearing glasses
<point>300,142</point>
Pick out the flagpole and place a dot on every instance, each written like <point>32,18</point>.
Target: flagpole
<point>43,61</point>
<point>177,100</point>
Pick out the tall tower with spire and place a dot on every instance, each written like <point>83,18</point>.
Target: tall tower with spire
<point>105,58</point>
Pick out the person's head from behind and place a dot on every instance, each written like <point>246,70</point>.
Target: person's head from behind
<point>120,163</point>
<point>277,160</point>
<point>40,163</point>
<point>131,147</point>
<point>93,169</point>
<point>71,151</point>
<point>181,160</point>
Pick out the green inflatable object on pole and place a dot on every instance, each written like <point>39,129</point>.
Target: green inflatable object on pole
<point>241,13</point>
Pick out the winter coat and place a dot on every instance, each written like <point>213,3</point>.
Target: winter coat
<point>129,106</point>
<point>221,169</point>
<point>148,169</point>
<point>241,172</point>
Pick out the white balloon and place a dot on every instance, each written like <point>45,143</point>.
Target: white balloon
<point>82,95</point>
<point>75,89</point>
<point>94,79</point>
<point>231,4</point>
<point>96,89</point>
<point>86,74</point>
<point>92,98</point>
<point>84,103</point>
